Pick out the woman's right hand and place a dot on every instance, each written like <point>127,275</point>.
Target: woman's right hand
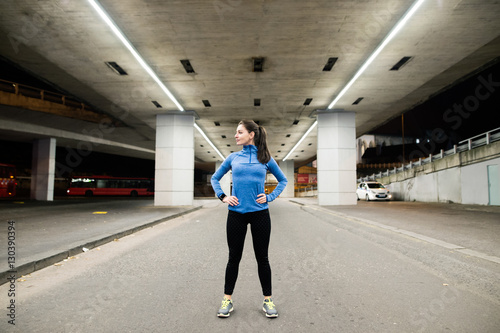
<point>231,200</point>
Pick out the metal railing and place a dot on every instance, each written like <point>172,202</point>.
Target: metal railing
<point>465,145</point>
<point>44,95</point>
<point>307,188</point>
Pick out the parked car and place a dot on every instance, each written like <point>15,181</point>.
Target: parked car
<point>372,191</point>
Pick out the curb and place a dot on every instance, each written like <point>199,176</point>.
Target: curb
<point>430,240</point>
<point>38,264</point>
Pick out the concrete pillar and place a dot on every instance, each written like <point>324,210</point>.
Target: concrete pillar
<point>43,168</point>
<point>225,182</point>
<point>336,158</point>
<point>174,159</point>
<point>288,168</point>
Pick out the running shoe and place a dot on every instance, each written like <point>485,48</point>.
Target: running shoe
<point>226,308</point>
<point>269,308</point>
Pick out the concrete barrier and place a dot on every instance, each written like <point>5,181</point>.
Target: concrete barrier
<point>460,178</point>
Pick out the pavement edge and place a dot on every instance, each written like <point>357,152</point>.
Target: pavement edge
<point>38,264</point>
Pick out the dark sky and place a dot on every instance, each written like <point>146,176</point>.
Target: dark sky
<point>467,109</point>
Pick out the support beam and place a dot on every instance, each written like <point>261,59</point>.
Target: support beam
<point>289,170</point>
<point>174,168</point>
<point>43,169</point>
<point>336,157</point>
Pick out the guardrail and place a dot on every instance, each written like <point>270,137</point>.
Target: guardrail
<point>306,191</point>
<point>44,95</point>
<point>465,145</point>
<point>307,188</point>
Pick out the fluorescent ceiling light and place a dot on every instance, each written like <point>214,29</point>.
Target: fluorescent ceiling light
<point>100,10</point>
<point>210,142</point>
<point>409,13</point>
<point>97,6</point>
<point>301,139</point>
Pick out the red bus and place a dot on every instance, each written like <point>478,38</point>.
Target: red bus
<point>7,180</point>
<point>105,185</point>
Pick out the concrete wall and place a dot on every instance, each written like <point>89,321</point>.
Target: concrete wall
<point>475,182</point>
<point>460,178</point>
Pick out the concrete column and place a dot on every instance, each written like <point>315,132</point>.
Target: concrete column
<point>43,168</point>
<point>288,168</point>
<point>174,159</point>
<point>225,182</point>
<point>336,158</point>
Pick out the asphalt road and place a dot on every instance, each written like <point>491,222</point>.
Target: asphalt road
<point>45,228</point>
<point>330,274</point>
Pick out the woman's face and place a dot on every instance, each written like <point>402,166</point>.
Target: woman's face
<point>243,137</point>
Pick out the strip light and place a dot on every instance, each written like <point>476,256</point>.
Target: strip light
<point>97,6</point>
<point>210,142</point>
<point>409,13</point>
<point>301,139</point>
<point>106,18</point>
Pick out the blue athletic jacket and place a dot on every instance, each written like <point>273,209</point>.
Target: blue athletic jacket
<point>249,176</point>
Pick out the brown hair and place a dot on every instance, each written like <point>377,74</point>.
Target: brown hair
<point>260,140</point>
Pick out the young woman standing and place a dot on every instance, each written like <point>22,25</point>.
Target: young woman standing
<point>248,204</point>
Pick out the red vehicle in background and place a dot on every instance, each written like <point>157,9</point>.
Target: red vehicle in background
<point>7,180</point>
<point>105,185</point>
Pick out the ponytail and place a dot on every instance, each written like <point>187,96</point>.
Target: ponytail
<point>263,154</point>
<point>260,140</point>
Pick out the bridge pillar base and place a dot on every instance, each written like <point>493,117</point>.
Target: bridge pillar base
<point>174,161</point>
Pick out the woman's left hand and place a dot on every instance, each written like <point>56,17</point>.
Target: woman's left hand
<point>261,198</point>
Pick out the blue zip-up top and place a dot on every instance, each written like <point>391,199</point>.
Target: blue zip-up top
<point>249,176</point>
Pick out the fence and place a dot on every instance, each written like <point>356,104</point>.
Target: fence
<point>24,90</point>
<point>306,190</point>
<point>465,145</point>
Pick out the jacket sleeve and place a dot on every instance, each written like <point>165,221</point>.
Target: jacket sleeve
<point>280,176</point>
<point>216,177</point>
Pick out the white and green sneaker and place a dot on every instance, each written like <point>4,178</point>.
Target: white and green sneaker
<point>226,308</point>
<point>269,308</point>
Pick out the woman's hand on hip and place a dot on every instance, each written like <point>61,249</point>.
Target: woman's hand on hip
<point>261,198</point>
<point>231,200</point>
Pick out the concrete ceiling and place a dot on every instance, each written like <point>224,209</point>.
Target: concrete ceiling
<point>67,44</point>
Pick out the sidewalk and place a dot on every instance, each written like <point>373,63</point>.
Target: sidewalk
<point>471,229</point>
<point>49,232</point>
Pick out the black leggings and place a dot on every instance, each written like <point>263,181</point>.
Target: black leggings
<point>236,230</point>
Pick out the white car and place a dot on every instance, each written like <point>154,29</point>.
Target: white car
<point>372,191</point>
